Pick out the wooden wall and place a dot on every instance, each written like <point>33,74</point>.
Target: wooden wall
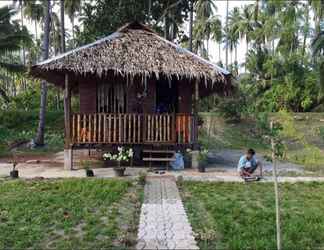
<point>185,90</point>
<point>88,95</point>
<point>135,104</point>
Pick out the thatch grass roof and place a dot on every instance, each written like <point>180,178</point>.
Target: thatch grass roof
<point>133,50</point>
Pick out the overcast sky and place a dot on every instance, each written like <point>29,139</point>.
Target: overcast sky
<point>221,11</point>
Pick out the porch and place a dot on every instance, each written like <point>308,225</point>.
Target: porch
<point>132,128</point>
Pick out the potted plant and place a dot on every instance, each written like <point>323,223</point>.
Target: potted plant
<point>14,172</point>
<point>202,160</point>
<point>86,166</point>
<point>121,157</point>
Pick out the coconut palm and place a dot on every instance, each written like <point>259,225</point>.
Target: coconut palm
<point>190,23</point>
<point>72,7</point>
<point>202,28</point>
<point>318,9</point>
<point>12,38</point>
<point>245,25</point>
<point>205,9</point>
<point>226,31</point>
<point>39,140</point>
<point>318,55</point>
<point>217,33</point>
<point>34,11</point>
<point>234,20</point>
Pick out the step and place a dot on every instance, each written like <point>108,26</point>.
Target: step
<point>159,151</point>
<point>158,159</point>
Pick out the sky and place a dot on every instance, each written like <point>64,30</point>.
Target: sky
<point>213,47</point>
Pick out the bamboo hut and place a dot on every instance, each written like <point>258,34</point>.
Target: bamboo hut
<point>135,88</point>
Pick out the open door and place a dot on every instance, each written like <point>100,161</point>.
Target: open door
<point>166,97</point>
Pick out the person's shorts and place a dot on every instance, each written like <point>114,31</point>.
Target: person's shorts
<point>251,169</point>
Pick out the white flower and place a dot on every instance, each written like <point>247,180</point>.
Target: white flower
<point>130,153</point>
<point>120,149</point>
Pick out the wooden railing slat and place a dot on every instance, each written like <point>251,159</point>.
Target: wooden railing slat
<point>120,128</point>
<point>132,128</point>
<point>105,127</point>
<point>115,128</point>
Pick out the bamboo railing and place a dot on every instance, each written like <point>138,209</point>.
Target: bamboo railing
<point>131,128</point>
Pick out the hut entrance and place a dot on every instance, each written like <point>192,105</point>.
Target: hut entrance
<point>166,97</point>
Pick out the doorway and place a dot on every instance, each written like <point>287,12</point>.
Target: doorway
<point>166,96</point>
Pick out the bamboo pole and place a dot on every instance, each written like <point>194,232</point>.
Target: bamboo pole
<point>276,189</point>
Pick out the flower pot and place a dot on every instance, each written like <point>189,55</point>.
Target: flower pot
<point>14,174</point>
<point>119,171</point>
<point>201,168</point>
<point>89,173</point>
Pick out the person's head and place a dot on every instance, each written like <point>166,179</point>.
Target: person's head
<point>250,153</point>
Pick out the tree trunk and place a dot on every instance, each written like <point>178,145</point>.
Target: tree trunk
<point>246,54</point>
<point>190,23</point>
<point>305,29</point>
<point>36,35</point>
<point>62,26</point>
<point>235,53</point>
<point>39,140</point>
<point>219,51</point>
<point>226,30</point>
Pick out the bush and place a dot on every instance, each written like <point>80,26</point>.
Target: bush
<point>231,108</point>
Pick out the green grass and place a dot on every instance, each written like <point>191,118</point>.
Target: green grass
<point>242,216</point>
<point>217,134</point>
<point>22,125</point>
<point>63,214</point>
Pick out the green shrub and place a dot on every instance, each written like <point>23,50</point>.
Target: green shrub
<point>321,132</point>
<point>231,108</point>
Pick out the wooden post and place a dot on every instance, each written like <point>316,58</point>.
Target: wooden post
<point>276,189</point>
<point>195,152</point>
<point>68,154</point>
<point>195,113</point>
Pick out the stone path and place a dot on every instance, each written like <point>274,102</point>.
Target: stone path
<point>163,221</point>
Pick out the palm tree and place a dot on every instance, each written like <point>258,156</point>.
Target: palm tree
<point>72,7</point>
<point>205,8</point>
<point>234,19</point>
<point>39,140</point>
<point>318,55</point>
<point>226,31</point>
<point>34,11</point>
<point>217,33</point>
<point>190,23</point>
<point>306,28</point>
<point>21,4</point>
<point>12,37</point>
<point>245,26</point>
<point>318,9</point>
<point>62,26</point>
<point>202,29</point>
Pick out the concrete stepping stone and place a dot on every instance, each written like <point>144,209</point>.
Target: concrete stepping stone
<point>163,221</point>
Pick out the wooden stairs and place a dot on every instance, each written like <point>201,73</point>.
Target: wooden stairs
<point>158,155</point>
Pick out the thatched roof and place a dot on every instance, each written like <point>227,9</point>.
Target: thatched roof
<point>133,50</point>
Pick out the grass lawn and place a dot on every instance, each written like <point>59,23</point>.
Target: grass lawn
<point>242,216</point>
<point>68,214</point>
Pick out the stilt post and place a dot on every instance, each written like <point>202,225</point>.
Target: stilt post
<point>67,125</point>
